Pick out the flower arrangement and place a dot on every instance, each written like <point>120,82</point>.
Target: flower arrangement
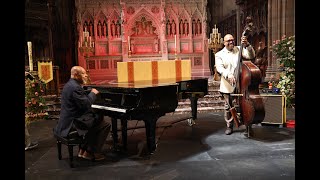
<point>284,51</point>
<point>35,105</point>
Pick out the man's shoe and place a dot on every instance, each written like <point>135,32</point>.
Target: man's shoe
<point>31,146</point>
<point>99,157</point>
<point>228,131</point>
<point>95,156</point>
<point>80,154</point>
<point>87,155</point>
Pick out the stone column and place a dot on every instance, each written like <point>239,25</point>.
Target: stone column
<point>50,5</point>
<point>279,24</point>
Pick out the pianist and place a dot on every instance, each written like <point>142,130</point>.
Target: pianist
<point>76,114</point>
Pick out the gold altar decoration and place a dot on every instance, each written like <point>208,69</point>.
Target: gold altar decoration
<point>45,71</point>
<point>86,46</point>
<point>153,71</point>
<point>215,43</point>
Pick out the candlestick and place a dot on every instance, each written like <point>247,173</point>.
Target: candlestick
<point>129,42</point>
<point>30,55</point>
<point>86,47</point>
<point>175,42</point>
<point>215,41</point>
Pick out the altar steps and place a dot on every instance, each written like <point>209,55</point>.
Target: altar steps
<point>212,102</point>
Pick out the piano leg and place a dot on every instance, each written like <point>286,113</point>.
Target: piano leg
<point>194,110</point>
<point>150,125</point>
<point>124,127</point>
<point>115,133</point>
<point>194,103</point>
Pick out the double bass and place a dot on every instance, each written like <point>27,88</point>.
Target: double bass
<point>248,101</point>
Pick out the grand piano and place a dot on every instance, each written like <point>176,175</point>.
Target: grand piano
<point>147,101</point>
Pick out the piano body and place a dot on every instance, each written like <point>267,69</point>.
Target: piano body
<point>147,101</point>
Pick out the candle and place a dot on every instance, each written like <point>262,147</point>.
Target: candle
<point>30,55</point>
<point>129,42</point>
<point>84,34</point>
<point>175,42</point>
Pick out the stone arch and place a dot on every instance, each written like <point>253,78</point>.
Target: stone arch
<point>114,15</point>
<point>101,24</point>
<point>115,24</point>
<point>184,21</point>
<point>88,22</point>
<point>101,15</point>
<point>172,18</point>
<point>196,23</point>
<point>139,16</point>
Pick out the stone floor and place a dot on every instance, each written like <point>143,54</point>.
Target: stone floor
<point>201,151</point>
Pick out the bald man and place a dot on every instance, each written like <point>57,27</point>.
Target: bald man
<point>226,62</point>
<point>76,114</point>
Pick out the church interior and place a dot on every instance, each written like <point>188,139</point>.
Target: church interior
<point>110,37</point>
<point>123,31</point>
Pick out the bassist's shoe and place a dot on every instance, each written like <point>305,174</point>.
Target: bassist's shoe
<point>228,131</point>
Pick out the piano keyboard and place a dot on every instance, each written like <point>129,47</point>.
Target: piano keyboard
<point>108,108</point>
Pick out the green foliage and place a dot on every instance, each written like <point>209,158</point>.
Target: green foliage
<point>284,51</point>
<point>35,104</point>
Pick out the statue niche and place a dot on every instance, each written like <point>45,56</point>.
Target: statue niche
<point>143,37</point>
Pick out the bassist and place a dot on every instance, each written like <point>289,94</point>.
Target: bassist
<point>226,61</point>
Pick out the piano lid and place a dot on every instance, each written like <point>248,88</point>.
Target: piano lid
<point>143,84</point>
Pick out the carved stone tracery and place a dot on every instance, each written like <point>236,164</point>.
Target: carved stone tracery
<point>146,28</point>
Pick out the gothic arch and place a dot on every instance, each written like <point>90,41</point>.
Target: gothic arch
<point>170,14</point>
<point>196,14</point>
<point>101,16</point>
<point>88,22</point>
<point>184,15</point>
<point>101,24</point>
<point>196,22</point>
<point>87,16</point>
<point>115,24</point>
<point>184,21</point>
<point>170,18</point>
<point>143,14</point>
<point>115,15</point>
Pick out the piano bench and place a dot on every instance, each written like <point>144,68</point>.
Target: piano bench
<point>73,139</point>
